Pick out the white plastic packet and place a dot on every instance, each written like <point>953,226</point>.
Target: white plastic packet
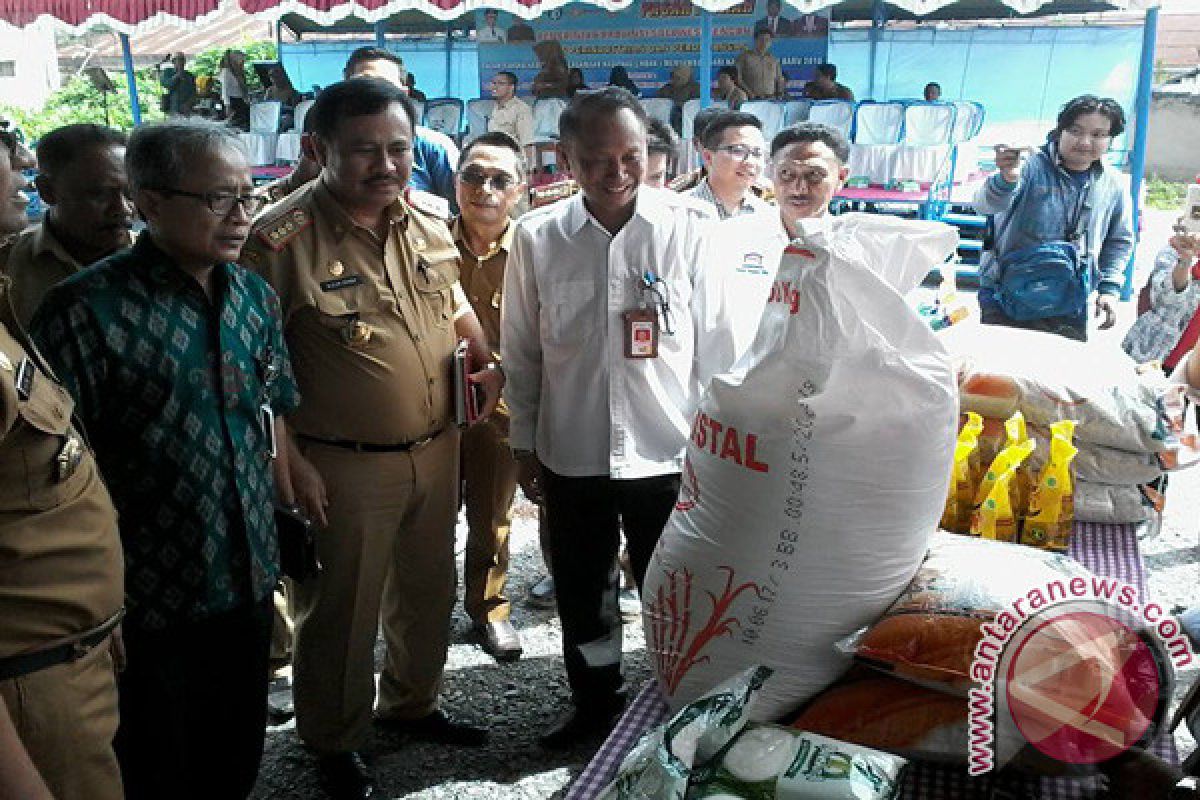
<point>816,470</point>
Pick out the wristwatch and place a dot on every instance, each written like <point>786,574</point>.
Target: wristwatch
<point>520,455</point>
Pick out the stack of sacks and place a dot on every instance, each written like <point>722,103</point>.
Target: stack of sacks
<point>1130,425</point>
<point>816,472</point>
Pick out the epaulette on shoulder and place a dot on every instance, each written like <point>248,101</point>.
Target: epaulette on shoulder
<point>552,193</point>
<point>278,232</point>
<point>428,203</point>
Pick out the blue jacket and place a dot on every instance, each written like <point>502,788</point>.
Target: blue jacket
<point>433,167</point>
<point>1038,208</point>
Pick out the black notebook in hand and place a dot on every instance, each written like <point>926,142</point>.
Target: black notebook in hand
<point>297,544</point>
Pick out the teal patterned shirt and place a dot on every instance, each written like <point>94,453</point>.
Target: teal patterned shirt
<point>169,386</point>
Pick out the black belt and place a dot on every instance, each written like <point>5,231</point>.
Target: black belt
<point>369,447</point>
<point>73,650</point>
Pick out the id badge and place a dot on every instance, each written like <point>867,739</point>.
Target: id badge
<point>641,333</point>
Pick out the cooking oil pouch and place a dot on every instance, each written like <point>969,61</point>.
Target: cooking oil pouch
<point>1052,503</point>
<point>1016,434</point>
<point>1005,460</point>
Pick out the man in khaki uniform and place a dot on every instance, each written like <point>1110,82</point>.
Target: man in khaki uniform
<point>82,178</point>
<point>759,71</point>
<point>489,185</point>
<point>368,279</point>
<point>61,576</point>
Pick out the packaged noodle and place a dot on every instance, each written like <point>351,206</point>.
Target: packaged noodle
<point>964,476</point>
<point>1052,504</point>
<point>1014,428</point>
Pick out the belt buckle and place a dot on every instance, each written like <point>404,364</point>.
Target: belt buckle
<point>424,440</point>
<point>79,649</point>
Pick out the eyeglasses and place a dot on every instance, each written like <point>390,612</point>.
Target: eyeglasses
<point>739,152</point>
<point>812,177</point>
<point>498,182</point>
<point>222,203</point>
<point>1080,133</point>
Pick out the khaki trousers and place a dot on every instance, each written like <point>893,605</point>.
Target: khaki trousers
<point>490,478</point>
<point>66,716</point>
<point>282,626</point>
<point>388,550</point>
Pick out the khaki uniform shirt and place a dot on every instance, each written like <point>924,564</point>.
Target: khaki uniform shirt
<point>61,568</point>
<point>761,75</point>
<point>514,118</point>
<point>369,322</point>
<point>36,262</point>
<point>482,279</point>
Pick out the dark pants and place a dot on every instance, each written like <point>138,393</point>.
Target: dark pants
<point>238,113</point>
<point>585,517</point>
<point>193,704</point>
<point>990,313</point>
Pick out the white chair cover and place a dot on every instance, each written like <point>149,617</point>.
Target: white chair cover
<point>264,116</point>
<point>874,162</point>
<point>921,163</point>
<point>658,108</point>
<point>479,113</point>
<point>968,119</point>
<point>287,147</point>
<point>834,113</point>
<point>690,109</point>
<point>546,112</point>
<point>445,114</point>
<point>419,106</point>
<point>878,123</point>
<point>769,113</point>
<point>929,123</point>
<point>796,111</point>
<point>260,147</point>
<point>300,113</point>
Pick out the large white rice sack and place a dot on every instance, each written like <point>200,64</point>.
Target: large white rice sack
<point>816,471</point>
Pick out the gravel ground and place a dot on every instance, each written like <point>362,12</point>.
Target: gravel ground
<point>518,701</point>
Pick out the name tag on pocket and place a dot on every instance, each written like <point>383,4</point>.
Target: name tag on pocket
<point>341,283</point>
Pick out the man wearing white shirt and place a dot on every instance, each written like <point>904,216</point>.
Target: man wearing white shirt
<point>808,167</point>
<point>600,415</point>
<point>490,33</point>
<point>734,153</point>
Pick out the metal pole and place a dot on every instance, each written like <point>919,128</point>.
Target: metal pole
<point>127,54</point>
<point>381,34</point>
<point>878,21</point>
<point>1137,158</point>
<point>705,58</point>
<point>449,56</point>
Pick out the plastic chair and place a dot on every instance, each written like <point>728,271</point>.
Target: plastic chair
<point>479,113</point>
<point>929,123</point>
<point>796,111</point>
<point>445,114</point>
<point>878,123</point>
<point>287,146</point>
<point>546,112</point>
<point>690,109</point>
<point>263,138</point>
<point>419,106</point>
<point>834,113</point>
<point>968,120</point>
<point>300,114</point>
<point>769,113</point>
<point>658,108</point>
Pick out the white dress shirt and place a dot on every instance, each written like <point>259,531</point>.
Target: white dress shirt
<point>574,397</point>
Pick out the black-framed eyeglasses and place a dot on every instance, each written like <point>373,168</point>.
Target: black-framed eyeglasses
<point>739,152</point>
<point>222,203</point>
<point>499,182</point>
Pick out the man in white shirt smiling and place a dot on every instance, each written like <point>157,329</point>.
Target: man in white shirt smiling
<point>606,317</point>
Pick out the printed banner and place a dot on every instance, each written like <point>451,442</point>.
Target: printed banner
<point>649,39</point>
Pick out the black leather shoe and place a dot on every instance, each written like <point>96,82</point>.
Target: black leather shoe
<point>344,776</point>
<point>581,725</point>
<point>500,640</point>
<point>437,727</point>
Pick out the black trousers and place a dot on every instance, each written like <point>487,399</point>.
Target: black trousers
<point>193,702</point>
<point>585,517</point>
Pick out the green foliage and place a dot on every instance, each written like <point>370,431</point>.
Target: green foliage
<point>206,63</point>
<point>79,101</point>
<point>1164,195</point>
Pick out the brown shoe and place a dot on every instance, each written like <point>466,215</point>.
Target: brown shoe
<point>500,640</point>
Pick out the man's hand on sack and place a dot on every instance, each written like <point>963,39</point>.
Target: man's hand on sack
<point>1106,306</point>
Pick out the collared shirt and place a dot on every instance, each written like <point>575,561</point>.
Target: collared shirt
<point>169,385</point>
<point>369,321</point>
<point>61,571</point>
<point>482,278</point>
<point>573,395</point>
<point>762,75</point>
<point>35,260</point>
<point>435,157</point>
<point>514,118</point>
<point>751,203</point>
<point>744,254</point>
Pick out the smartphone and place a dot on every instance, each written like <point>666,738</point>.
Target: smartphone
<point>1191,210</point>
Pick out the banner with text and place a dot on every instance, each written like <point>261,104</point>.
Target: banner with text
<point>649,39</point>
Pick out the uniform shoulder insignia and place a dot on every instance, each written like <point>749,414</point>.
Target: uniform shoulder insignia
<point>276,233</point>
<point>428,203</point>
<point>552,193</point>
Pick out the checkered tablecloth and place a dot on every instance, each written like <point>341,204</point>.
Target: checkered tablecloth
<point>1109,550</point>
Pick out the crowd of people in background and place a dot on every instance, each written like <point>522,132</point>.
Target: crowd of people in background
<point>176,386</point>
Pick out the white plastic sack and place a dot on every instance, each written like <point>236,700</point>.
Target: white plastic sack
<point>815,473</point>
<point>1111,503</point>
